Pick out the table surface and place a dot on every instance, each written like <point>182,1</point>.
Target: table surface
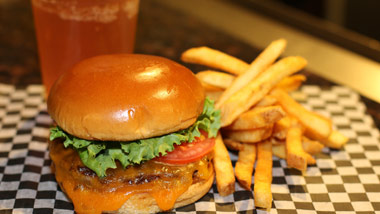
<point>161,31</point>
<point>345,180</point>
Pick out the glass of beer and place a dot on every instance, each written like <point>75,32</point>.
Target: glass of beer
<point>71,30</point>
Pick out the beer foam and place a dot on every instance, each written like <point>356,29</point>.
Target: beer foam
<point>72,10</point>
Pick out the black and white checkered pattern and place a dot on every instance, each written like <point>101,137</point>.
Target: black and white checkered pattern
<point>343,181</point>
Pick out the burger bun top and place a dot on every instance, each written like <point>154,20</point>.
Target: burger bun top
<point>125,97</point>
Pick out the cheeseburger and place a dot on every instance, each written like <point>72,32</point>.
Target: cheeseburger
<point>134,134</point>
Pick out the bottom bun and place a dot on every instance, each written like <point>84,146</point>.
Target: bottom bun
<point>144,203</point>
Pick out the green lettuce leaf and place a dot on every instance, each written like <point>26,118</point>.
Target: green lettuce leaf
<point>100,156</point>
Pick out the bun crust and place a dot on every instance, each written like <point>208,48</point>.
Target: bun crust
<point>144,203</point>
<point>125,97</point>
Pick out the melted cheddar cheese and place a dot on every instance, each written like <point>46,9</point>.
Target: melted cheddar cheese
<point>91,194</point>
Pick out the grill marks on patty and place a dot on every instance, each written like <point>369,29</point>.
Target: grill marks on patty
<point>139,179</point>
<point>86,171</point>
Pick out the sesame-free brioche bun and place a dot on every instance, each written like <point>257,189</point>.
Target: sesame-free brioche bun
<point>125,97</point>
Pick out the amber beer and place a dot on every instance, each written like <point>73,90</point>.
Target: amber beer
<point>71,30</point>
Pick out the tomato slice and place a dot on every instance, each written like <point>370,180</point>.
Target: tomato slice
<point>189,152</point>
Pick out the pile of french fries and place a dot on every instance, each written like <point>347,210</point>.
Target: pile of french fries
<point>259,117</point>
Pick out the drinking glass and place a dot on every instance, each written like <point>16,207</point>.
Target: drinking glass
<point>71,30</point>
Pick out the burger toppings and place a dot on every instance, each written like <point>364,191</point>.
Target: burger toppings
<point>91,194</point>
<point>100,156</point>
<point>189,152</point>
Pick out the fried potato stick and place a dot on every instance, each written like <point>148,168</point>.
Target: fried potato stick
<point>296,157</point>
<point>213,95</point>
<point>317,126</point>
<point>266,101</point>
<point>244,165</point>
<point>214,59</point>
<point>280,128</point>
<point>279,147</point>
<point>225,179</point>
<point>291,83</point>
<point>215,78</point>
<point>263,61</point>
<point>249,136</point>
<point>279,150</point>
<point>209,87</point>
<point>255,90</point>
<point>335,140</point>
<point>258,117</point>
<point>311,146</point>
<point>263,175</point>
<point>233,144</point>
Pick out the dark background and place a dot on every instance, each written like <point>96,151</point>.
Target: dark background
<point>362,16</point>
<point>351,24</point>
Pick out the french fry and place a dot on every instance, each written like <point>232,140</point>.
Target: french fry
<point>255,90</point>
<point>276,141</point>
<point>279,150</point>
<point>213,95</point>
<point>209,87</point>
<point>214,59</point>
<point>291,83</point>
<point>263,61</point>
<point>215,78</point>
<point>225,179</point>
<point>278,147</point>
<point>233,144</point>
<point>266,101</point>
<point>296,157</point>
<point>311,146</point>
<point>310,160</point>
<point>336,140</point>
<point>317,126</point>
<point>249,136</point>
<point>263,175</point>
<point>224,80</point>
<point>280,134</point>
<point>244,165</point>
<point>280,128</point>
<point>258,117</point>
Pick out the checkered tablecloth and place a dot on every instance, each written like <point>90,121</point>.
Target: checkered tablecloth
<point>345,181</point>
